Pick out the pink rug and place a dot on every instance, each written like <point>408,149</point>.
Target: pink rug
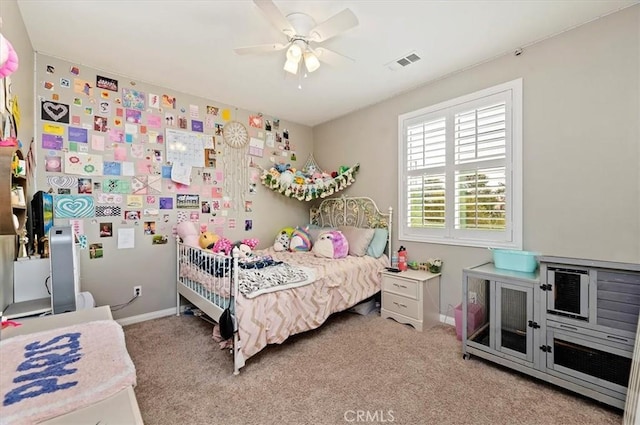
<point>50,373</point>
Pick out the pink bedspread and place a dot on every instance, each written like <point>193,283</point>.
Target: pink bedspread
<point>341,283</point>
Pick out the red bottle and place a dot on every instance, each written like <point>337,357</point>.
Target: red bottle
<point>402,258</point>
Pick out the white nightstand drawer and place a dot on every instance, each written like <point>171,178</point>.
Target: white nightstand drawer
<point>399,286</point>
<point>401,305</point>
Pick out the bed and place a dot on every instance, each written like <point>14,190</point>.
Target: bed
<point>271,314</point>
<point>68,368</point>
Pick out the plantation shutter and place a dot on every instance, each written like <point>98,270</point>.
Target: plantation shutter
<point>460,170</point>
<point>480,151</point>
<point>426,161</point>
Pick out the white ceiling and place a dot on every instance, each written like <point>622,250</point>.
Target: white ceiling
<point>188,45</point>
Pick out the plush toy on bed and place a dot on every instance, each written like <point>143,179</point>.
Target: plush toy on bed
<point>300,240</point>
<point>331,244</point>
<point>282,239</point>
<point>222,245</point>
<point>188,233</point>
<point>246,247</point>
<point>207,240</point>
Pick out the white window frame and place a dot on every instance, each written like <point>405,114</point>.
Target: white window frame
<point>511,237</point>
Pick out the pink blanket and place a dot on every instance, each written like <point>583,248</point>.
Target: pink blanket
<point>50,373</point>
<point>340,283</point>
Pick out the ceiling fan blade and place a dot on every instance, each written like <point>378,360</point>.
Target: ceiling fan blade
<point>261,48</point>
<point>333,26</point>
<point>332,58</point>
<point>275,16</point>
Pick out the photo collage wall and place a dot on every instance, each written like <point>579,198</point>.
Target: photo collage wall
<point>127,163</point>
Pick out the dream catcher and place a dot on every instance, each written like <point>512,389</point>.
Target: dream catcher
<point>236,137</point>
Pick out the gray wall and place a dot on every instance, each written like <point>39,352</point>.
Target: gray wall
<point>581,145</point>
<point>22,85</point>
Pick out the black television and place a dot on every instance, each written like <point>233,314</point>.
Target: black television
<point>41,217</point>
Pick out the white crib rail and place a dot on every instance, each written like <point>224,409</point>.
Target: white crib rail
<point>207,281</point>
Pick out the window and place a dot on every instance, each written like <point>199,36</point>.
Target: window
<point>460,170</point>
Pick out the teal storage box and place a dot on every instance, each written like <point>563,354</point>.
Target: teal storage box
<point>520,261</point>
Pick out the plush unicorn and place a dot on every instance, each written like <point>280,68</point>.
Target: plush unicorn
<point>300,240</point>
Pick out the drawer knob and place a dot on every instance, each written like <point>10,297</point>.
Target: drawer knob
<point>400,286</point>
<point>400,305</point>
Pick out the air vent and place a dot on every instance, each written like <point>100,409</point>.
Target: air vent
<point>403,61</point>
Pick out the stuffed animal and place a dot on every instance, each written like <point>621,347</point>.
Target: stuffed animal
<point>246,247</point>
<point>223,245</point>
<point>251,243</point>
<point>282,239</point>
<point>188,233</point>
<point>207,240</point>
<point>331,244</point>
<point>244,250</point>
<point>8,58</point>
<point>300,240</point>
<point>286,178</point>
<point>282,167</point>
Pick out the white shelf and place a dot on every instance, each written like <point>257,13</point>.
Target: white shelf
<point>28,308</point>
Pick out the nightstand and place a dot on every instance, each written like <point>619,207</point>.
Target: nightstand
<point>411,297</point>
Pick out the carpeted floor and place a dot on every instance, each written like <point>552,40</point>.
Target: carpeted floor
<point>353,369</point>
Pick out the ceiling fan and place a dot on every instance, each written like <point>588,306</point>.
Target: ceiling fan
<point>303,37</point>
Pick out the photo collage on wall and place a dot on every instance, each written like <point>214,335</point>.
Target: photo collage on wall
<point>117,157</point>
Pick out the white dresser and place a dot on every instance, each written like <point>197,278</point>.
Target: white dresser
<point>411,297</point>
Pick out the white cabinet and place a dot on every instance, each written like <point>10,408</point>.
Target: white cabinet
<point>29,278</point>
<point>411,297</point>
<point>30,295</point>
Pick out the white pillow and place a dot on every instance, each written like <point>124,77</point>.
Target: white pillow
<point>358,238</point>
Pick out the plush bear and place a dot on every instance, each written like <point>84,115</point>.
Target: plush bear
<point>282,239</point>
<point>188,233</point>
<point>300,240</point>
<point>207,240</point>
<point>331,244</point>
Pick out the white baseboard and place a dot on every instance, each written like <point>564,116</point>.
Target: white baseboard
<point>171,311</point>
<point>149,316</point>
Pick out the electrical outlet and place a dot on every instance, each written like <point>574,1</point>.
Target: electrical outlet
<point>473,297</point>
<point>137,291</point>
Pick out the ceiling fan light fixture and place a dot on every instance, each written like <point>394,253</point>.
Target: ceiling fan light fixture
<point>291,66</point>
<point>294,53</point>
<point>311,61</point>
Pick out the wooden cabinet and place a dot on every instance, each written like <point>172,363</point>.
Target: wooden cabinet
<point>13,192</point>
<point>411,297</point>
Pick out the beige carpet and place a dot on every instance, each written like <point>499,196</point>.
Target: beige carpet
<point>354,365</point>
